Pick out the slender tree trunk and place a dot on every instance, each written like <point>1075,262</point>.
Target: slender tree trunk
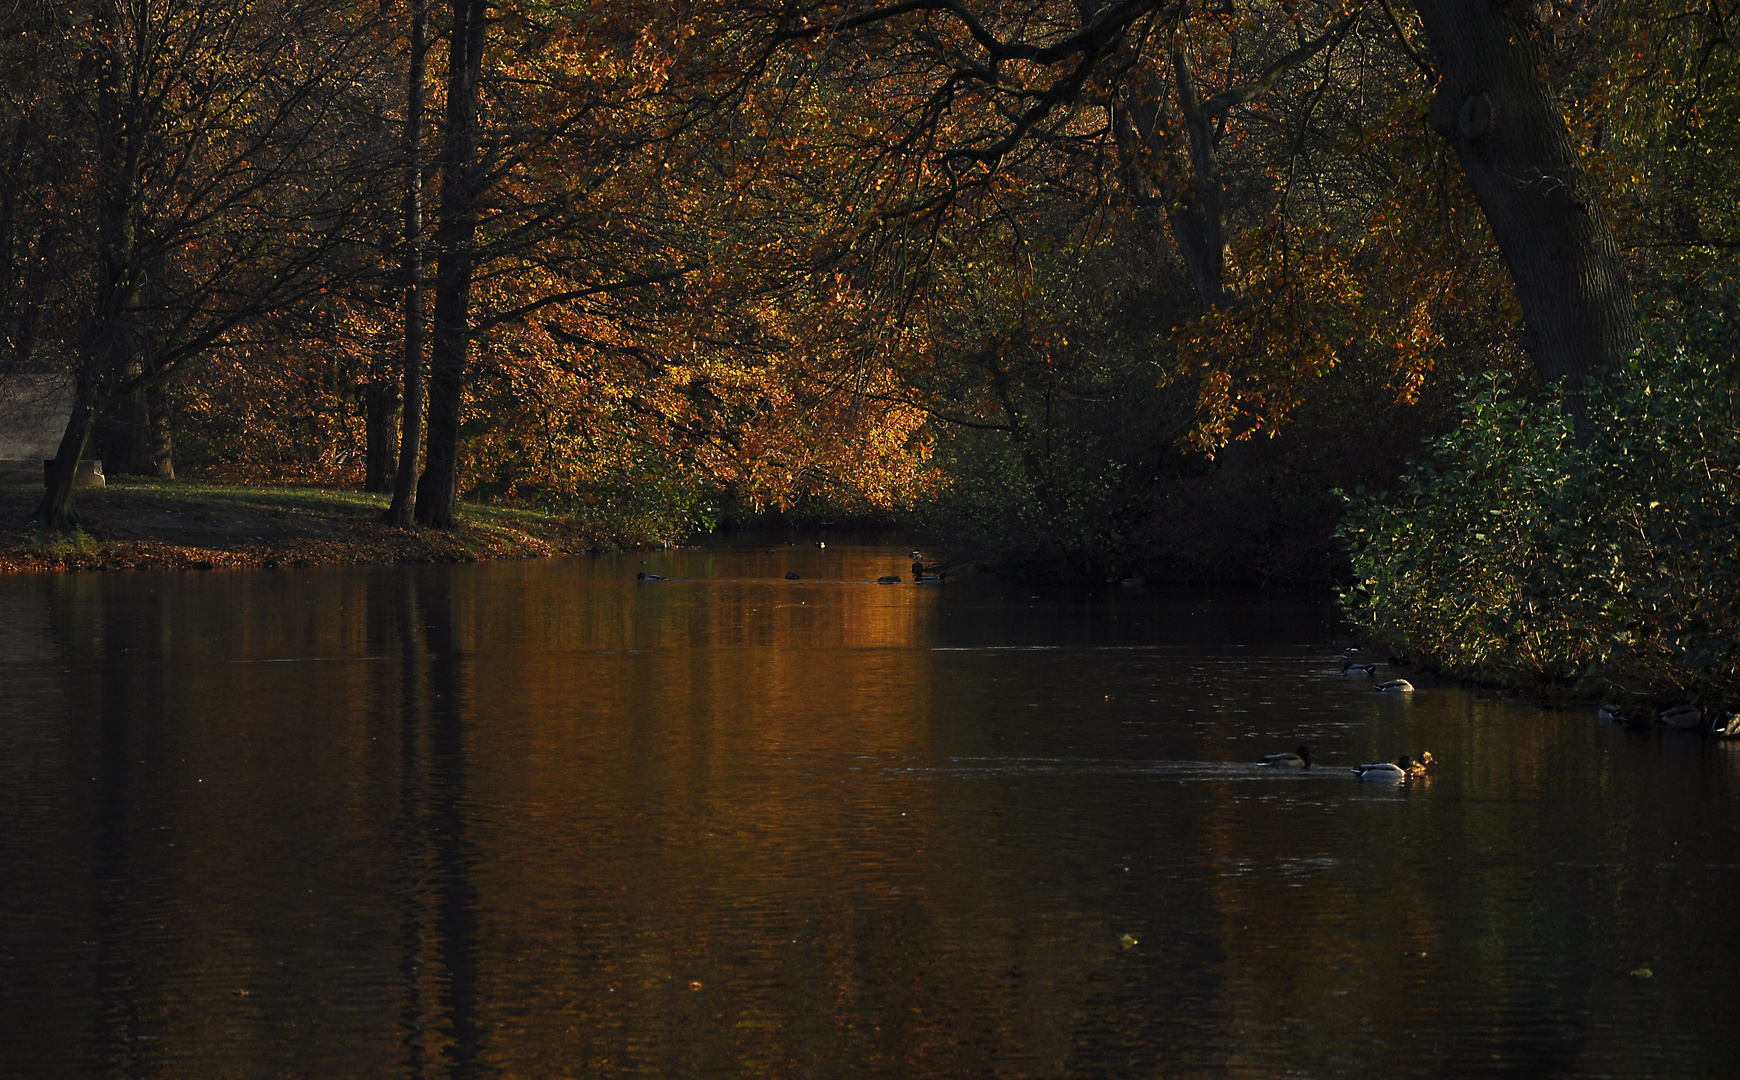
<point>162,436</point>
<point>1199,224</point>
<point>9,191</point>
<point>104,346</point>
<point>437,489</point>
<point>1494,106</point>
<point>411,406</point>
<point>1197,214</point>
<point>35,295</point>
<point>380,402</point>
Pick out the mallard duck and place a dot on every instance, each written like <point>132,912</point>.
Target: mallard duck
<point>1726,725</point>
<point>1422,765</point>
<point>1361,671</point>
<point>888,579</point>
<point>1298,759</point>
<point>1383,770</point>
<point>1395,686</point>
<point>1682,717</point>
<point>915,556</point>
<point>644,576</point>
<point>1609,713</point>
<point>791,575</point>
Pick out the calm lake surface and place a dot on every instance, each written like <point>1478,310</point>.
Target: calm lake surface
<point>538,819</point>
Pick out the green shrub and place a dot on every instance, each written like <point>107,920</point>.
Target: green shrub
<point>1600,565</point>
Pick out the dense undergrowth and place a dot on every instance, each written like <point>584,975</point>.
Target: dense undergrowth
<point>1601,565</point>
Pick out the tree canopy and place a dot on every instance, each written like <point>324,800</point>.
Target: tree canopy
<point>1061,260</point>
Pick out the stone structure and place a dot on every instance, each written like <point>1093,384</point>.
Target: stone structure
<point>33,412</point>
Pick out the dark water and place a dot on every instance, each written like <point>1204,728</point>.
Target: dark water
<point>539,820</point>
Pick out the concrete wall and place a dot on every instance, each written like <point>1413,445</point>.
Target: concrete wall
<point>33,412</point>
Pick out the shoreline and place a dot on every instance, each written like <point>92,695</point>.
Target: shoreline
<point>138,524</point>
<point>1634,707</point>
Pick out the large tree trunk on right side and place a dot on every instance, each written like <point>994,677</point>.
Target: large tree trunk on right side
<point>438,488</point>
<point>1494,106</point>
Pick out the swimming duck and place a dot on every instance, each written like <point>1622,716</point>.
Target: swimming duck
<point>915,556</point>
<point>1682,717</point>
<point>1422,765</point>
<point>1298,759</point>
<point>821,543</point>
<point>791,575</point>
<point>1726,725</point>
<point>644,576</point>
<point>888,579</point>
<point>1609,713</point>
<point>1395,686</point>
<point>1363,671</point>
<point>1383,770</point>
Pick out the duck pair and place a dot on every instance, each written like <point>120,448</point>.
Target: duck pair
<point>1366,671</point>
<point>1404,766</point>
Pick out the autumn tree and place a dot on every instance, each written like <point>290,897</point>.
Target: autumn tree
<point>210,189</point>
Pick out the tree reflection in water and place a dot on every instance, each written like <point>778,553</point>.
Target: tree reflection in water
<point>537,819</point>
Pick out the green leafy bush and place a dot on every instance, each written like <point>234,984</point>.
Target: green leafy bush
<point>1606,564</point>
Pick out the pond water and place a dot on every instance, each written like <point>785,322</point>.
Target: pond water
<point>540,819</point>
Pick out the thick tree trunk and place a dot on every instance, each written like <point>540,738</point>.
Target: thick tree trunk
<point>411,406</point>
<point>55,510</point>
<point>437,489</point>
<point>1494,106</point>
<point>122,435</point>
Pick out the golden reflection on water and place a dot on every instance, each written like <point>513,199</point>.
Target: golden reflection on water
<point>544,820</point>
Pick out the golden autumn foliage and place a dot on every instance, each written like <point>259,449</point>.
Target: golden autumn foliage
<point>769,256</point>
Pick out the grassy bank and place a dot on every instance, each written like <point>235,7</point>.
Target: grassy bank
<point>149,525</point>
